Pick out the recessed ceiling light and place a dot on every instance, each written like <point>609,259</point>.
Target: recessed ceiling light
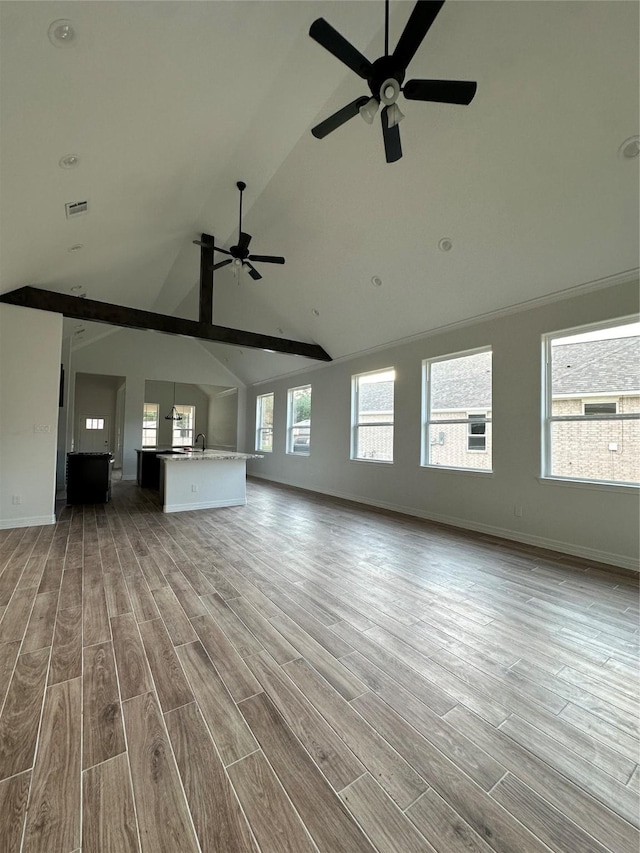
<point>69,161</point>
<point>76,248</point>
<point>62,34</point>
<point>76,288</point>
<point>630,148</point>
<point>446,244</point>
<point>315,312</point>
<point>376,281</point>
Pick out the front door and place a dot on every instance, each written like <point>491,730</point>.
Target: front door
<point>93,433</point>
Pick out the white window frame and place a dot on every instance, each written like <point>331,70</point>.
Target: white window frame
<point>94,423</point>
<point>186,441</point>
<point>290,423</point>
<point>355,414</point>
<point>426,413</point>
<point>155,406</point>
<point>259,421</point>
<point>547,416</point>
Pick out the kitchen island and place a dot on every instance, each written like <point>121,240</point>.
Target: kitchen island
<point>203,479</point>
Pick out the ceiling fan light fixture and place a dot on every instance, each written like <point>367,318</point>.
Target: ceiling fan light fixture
<point>394,115</point>
<point>173,415</point>
<point>389,91</point>
<point>368,111</point>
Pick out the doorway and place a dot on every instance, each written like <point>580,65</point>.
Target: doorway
<point>93,433</point>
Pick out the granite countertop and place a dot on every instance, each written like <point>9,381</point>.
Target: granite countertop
<point>207,456</point>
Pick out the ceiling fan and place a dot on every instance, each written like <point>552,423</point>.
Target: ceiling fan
<point>386,75</point>
<point>239,255</point>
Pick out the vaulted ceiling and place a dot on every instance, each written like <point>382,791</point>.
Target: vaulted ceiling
<point>168,104</point>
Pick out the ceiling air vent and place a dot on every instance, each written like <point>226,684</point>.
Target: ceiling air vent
<point>76,208</point>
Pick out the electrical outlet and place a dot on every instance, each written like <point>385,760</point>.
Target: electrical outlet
<point>194,487</point>
<point>16,500</point>
<point>41,428</point>
<point>517,511</point>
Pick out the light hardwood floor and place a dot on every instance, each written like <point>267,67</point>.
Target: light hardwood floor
<point>301,674</point>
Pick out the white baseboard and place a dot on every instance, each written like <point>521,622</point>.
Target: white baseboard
<point>620,560</point>
<point>34,521</point>
<point>203,505</point>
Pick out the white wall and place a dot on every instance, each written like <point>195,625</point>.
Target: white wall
<point>223,420</point>
<point>140,356</point>
<point>30,355</point>
<point>598,522</point>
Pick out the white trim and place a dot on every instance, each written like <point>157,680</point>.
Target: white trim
<point>259,421</point>
<point>356,414</point>
<point>597,325</point>
<point>606,485</point>
<point>204,505</point>
<point>34,521</point>
<point>548,397</point>
<point>623,277</point>
<point>620,560</point>
<point>290,443</point>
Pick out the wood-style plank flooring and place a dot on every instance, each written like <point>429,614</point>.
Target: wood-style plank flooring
<point>302,674</point>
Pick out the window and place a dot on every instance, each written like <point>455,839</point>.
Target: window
<point>299,420</point>
<point>182,432</point>
<point>457,401</point>
<point>150,425</point>
<point>477,436</point>
<point>372,420</point>
<point>592,403</point>
<point>94,423</point>
<point>601,408</point>
<point>264,423</point>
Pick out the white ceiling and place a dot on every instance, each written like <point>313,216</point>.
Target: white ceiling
<point>168,104</point>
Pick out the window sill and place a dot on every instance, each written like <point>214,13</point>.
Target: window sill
<point>374,461</point>
<point>474,472</point>
<point>587,484</point>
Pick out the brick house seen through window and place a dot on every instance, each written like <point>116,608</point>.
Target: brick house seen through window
<point>593,384</point>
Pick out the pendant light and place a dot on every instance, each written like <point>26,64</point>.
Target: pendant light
<point>173,415</point>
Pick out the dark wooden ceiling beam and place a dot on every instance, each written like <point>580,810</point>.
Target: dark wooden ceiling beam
<point>206,279</point>
<point>134,318</point>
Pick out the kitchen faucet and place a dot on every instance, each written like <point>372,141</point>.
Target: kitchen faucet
<point>204,439</point>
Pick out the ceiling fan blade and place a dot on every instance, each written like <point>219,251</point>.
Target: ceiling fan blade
<point>391,136</point>
<point>337,119</point>
<point>331,40</point>
<point>253,272</point>
<point>443,91</point>
<point>266,259</point>
<point>222,264</point>
<point>224,251</point>
<point>423,15</point>
<point>202,243</point>
<point>243,242</point>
